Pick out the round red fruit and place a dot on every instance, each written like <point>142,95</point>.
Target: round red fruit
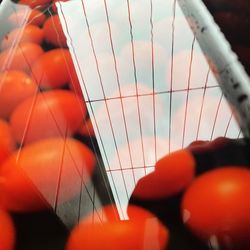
<point>216,208</point>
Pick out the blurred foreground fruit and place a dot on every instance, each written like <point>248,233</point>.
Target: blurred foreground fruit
<point>53,32</point>
<point>44,174</point>
<point>21,57</point>
<point>7,144</point>
<point>172,174</point>
<point>36,17</point>
<point>35,3</point>
<point>216,208</point>
<point>49,114</point>
<point>141,231</point>
<point>28,34</point>
<point>53,69</point>
<point>15,87</point>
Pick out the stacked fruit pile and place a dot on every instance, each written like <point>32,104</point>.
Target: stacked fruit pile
<point>197,198</point>
<point>201,195</point>
<point>42,115</point>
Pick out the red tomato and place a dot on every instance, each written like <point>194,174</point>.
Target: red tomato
<point>36,17</point>
<point>141,232</point>
<point>53,32</point>
<point>43,173</point>
<point>15,87</point>
<point>54,8</point>
<point>87,129</point>
<point>35,3</point>
<point>198,143</point>
<point>21,57</point>
<point>216,207</point>
<point>172,174</point>
<point>30,33</point>
<point>53,68</point>
<point>53,113</point>
<point>7,144</point>
<point>7,229</point>
<point>74,82</point>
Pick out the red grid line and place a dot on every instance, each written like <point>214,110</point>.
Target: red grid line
<point>60,132</point>
<point>93,114</point>
<point>202,103</point>
<point>240,133</point>
<point>100,79</point>
<point>216,116</point>
<point>151,94</point>
<point>153,74</point>
<point>171,76</point>
<point>135,76</point>
<point>129,168</point>
<point>119,86</point>
<point>228,124</point>
<point>60,171</point>
<point>187,95</point>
